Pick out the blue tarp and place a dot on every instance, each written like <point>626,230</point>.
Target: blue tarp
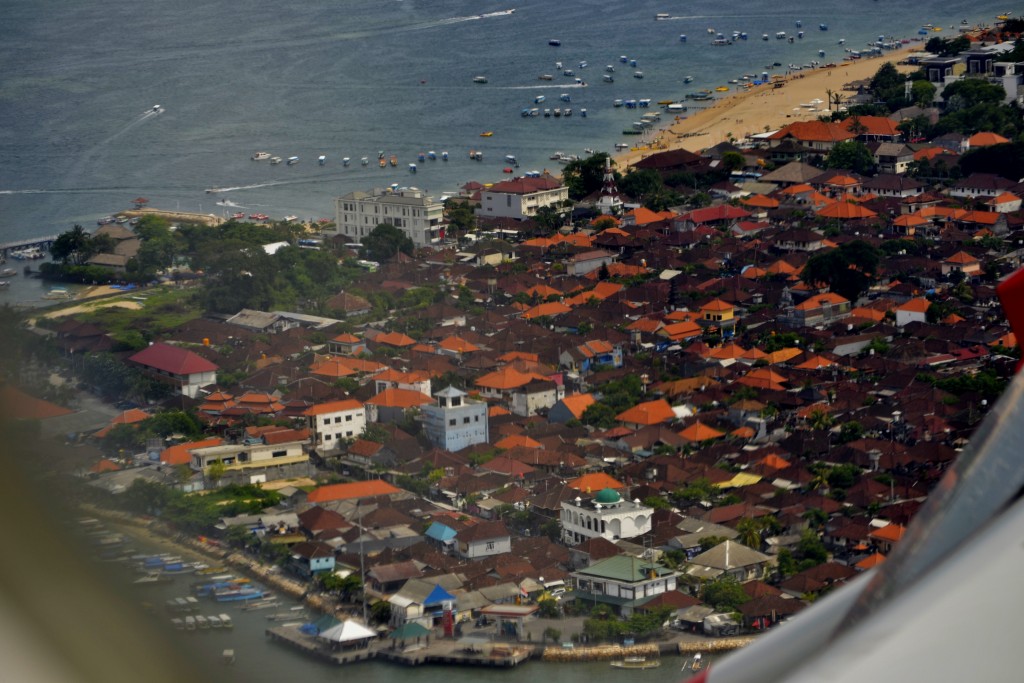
<point>437,596</point>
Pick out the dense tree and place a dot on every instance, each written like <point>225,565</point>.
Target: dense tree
<point>461,216</point>
<point>641,184</point>
<point>384,242</point>
<point>75,246</point>
<point>725,594</point>
<point>584,176</point>
<point>967,92</point>
<point>947,47</point>
<point>852,155</point>
<point>1006,160</point>
<point>848,270</point>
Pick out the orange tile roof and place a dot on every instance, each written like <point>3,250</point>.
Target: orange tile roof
<point>346,338</point>
<point>986,139</point>
<point>517,440</point>
<point>358,489</point>
<point>717,305</point>
<point>699,431</point>
<point>519,355</point>
<point>577,404</point>
<point>818,300</point>
<point>333,407</point>
<point>331,367</point>
<point>458,345</point>
<point>647,413</point>
<point>889,532</point>
<point>394,339</point>
<point>760,201</point>
<point>918,305</point>
<point>595,481</point>
<point>400,398</point>
<point>179,454</point>
<point>552,308</point>
<point>507,378</point>
<point>870,561</point>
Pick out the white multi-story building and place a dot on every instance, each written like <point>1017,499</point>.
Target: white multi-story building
<point>520,198</point>
<point>606,515</point>
<point>333,422</point>
<point>457,421</point>
<point>407,208</point>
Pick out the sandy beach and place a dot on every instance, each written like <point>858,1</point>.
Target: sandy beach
<point>763,108</point>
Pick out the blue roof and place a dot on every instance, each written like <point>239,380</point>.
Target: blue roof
<point>437,596</point>
<point>440,532</point>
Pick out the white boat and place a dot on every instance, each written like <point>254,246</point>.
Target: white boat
<point>260,156</point>
<point>8,272</point>
<point>202,622</point>
<point>688,79</point>
<point>364,161</point>
<point>214,621</point>
<point>322,159</point>
<point>276,160</point>
<point>636,663</point>
<point>225,621</point>
<point>178,624</point>
<point>545,77</point>
<point>292,161</point>
<point>228,656</point>
<point>190,623</point>
<point>638,74</point>
<point>661,15</point>
<point>345,161</point>
<point>479,79</point>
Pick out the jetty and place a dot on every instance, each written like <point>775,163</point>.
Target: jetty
<point>445,652</point>
<point>38,242</point>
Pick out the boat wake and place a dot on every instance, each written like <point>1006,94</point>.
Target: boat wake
<point>552,86</point>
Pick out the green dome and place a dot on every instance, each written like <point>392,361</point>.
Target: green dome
<point>607,496</point>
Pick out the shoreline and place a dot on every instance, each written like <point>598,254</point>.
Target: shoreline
<point>763,108</point>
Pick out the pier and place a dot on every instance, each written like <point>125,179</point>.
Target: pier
<point>446,652</point>
<point>39,242</point>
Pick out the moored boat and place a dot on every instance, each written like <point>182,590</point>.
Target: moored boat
<point>636,663</point>
<point>292,161</point>
<point>260,156</point>
<point>479,79</point>
<point>322,159</point>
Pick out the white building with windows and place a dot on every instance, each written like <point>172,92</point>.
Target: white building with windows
<point>456,421</point>
<point>606,515</point>
<point>407,208</point>
<point>333,422</point>
<point>519,198</point>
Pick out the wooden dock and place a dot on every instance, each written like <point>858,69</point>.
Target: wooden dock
<point>444,652</point>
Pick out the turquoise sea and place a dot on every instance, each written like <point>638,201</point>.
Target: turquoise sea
<point>79,137</point>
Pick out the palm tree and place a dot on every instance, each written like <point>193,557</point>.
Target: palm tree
<point>749,533</point>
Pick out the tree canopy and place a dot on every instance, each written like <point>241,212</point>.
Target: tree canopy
<point>384,242</point>
<point>848,270</point>
<point>852,155</point>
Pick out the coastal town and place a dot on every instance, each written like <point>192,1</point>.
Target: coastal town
<point>659,402</point>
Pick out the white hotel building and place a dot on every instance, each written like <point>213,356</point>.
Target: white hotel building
<point>407,208</point>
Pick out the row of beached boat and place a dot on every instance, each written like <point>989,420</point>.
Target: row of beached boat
<point>200,622</point>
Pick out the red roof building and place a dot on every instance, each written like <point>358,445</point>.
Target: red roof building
<point>186,371</point>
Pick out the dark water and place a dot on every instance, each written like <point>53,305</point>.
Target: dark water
<point>79,139</point>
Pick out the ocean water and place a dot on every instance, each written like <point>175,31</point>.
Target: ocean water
<point>79,138</point>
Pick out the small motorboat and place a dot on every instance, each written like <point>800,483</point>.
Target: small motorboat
<point>636,663</point>
<point>487,134</point>
<point>292,161</point>
<point>261,156</point>
<point>479,79</point>
<point>322,159</point>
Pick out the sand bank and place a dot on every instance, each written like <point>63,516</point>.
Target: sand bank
<point>764,108</point>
